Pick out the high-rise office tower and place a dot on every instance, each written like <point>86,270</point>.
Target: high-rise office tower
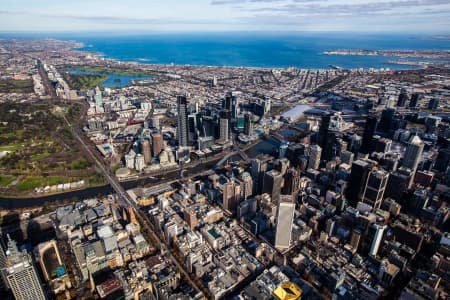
<point>281,165</point>
<point>330,226</point>
<point>248,124</point>
<point>355,143</point>
<point>21,274</point>
<point>272,184</point>
<point>357,180</point>
<point>224,125</point>
<point>375,235</point>
<point>327,137</point>
<point>414,100</point>
<point>314,157</point>
<point>402,98</point>
<point>383,145</point>
<point>157,143</point>
<point>192,128</point>
<point>208,126</point>
<point>285,218</point>
<point>98,97</point>
<point>230,103</point>
<point>398,184</point>
<point>355,238</point>
<point>387,119</point>
<point>146,150</point>
<point>247,185</point>
<point>231,196</point>
<point>258,169</point>
<point>291,182</point>
<point>282,150</point>
<point>182,121</point>
<point>413,155</point>
<point>374,188</point>
<point>330,150</point>
<point>369,131</point>
<point>324,129</point>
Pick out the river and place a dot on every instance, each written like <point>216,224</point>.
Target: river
<point>267,146</point>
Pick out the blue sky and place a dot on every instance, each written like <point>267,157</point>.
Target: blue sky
<point>420,16</point>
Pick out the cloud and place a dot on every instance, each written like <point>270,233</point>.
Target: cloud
<point>348,9</point>
<point>232,2</point>
<point>134,21</point>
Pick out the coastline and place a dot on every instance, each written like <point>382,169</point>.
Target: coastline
<point>149,61</point>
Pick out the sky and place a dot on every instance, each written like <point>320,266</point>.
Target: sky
<point>420,16</point>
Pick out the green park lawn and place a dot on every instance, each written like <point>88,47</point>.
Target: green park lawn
<point>6,180</point>
<point>16,86</point>
<point>33,182</point>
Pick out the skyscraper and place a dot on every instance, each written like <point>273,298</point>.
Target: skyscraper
<point>326,137</point>
<point>258,169</point>
<point>369,131</point>
<point>157,143</point>
<point>291,182</point>
<point>314,157</point>
<point>387,118</point>
<point>397,184</point>
<point>231,103</point>
<point>414,100</point>
<point>376,235</point>
<point>182,121</point>
<point>413,155</point>
<point>98,97</point>
<point>248,124</point>
<point>355,238</point>
<point>374,188</point>
<point>21,275</point>
<point>285,218</point>
<point>324,129</point>
<point>224,125</point>
<point>192,128</point>
<point>357,180</point>
<point>282,150</point>
<point>247,185</point>
<point>231,196</point>
<point>329,150</point>
<point>355,143</point>
<point>146,151</point>
<point>272,184</point>
<point>402,98</point>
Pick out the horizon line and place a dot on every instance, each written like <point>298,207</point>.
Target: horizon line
<point>140,32</point>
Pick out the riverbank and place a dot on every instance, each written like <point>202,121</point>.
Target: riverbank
<point>24,201</point>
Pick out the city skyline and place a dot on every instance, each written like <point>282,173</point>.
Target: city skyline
<point>226,15</point>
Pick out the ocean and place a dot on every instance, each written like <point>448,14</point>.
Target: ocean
<point>273,50</point>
